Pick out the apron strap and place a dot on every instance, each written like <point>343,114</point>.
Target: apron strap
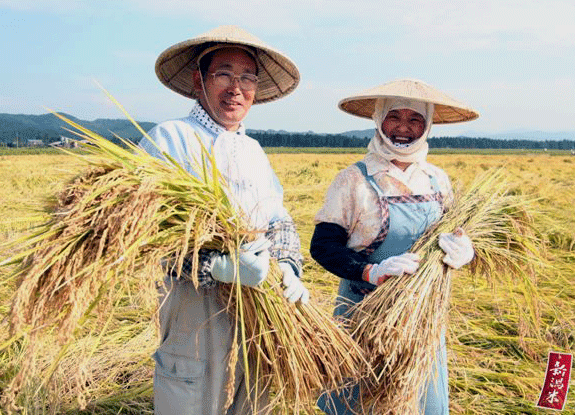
<point>363,168</point>
<point>434,184</point>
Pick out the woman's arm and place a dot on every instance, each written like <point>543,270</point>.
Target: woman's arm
<point>328,248</point>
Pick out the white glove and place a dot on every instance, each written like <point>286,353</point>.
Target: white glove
<point>253,260</point>
<point>457,247</point>
<point>295,290</point>
<point>396,265</point>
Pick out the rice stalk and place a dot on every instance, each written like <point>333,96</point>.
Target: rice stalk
<point>108,231</point>
<point>317,357</point>
<point>120,369</point>
<point>399,325</point>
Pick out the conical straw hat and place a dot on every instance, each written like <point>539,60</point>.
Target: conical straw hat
<point>278,75</point>
<point>447,109</point>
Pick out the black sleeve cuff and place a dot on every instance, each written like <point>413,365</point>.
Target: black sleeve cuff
<point>328,248</point>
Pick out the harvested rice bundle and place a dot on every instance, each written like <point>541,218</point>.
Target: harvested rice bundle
<point>108,231</point>
<point>311,363</point>
<point>400,323</point>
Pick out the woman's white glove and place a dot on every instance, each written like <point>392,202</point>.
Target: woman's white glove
<point>457,247</point>
<point>396,265</point>
<point>295,289</point>
<point>253,264</point>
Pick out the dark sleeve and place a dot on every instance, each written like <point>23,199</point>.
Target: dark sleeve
<point>328,248</point>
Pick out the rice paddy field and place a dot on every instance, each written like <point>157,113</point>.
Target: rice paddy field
<point>498,337</point>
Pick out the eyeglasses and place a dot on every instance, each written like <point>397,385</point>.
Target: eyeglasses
<point>224,79</point>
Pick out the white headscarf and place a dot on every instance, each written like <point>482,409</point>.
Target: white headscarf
<point>384,147</point>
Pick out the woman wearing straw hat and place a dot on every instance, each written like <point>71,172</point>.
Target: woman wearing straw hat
<point>226,70</point>
<point>377,208</point>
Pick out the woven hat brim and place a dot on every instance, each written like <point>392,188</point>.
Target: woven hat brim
<point>278,75</point>
<point>447,110</point>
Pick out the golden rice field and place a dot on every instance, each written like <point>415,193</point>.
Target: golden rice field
<point>497,359</point>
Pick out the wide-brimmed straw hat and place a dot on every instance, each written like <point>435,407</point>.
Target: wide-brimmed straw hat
<point>447,109</point>
<point>277,74</point>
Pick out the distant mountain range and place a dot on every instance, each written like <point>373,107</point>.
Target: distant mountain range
<point>48,127</point>
<point>352,134</point>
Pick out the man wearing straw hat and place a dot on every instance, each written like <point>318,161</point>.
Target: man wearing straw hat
<point>225,70</point>
<point>376,209</point>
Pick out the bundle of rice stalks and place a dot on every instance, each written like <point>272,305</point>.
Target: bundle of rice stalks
<point>300,365</point>
<point>108,231</point>
<point>400,324</point>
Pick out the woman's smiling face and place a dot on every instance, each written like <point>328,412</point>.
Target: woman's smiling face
<point>403,126</point>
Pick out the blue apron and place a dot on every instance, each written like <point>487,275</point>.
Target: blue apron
<point>405,219</point>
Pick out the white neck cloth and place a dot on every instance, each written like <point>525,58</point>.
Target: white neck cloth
<point>384,147</point>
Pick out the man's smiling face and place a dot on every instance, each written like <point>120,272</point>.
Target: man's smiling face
<point>228,106</point>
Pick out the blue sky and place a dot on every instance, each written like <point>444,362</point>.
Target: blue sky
<point>512,60</point>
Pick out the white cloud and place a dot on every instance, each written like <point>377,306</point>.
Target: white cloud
<point>544,104</point>
<point>53,6</point>
<point>7,103</point>
<point>482,24</point>
<point>312,106</point>
<point>135,57</point>
<point>493,23</point>
<point>434,25</point>
<point>271,17</point>
<point>342,46</point>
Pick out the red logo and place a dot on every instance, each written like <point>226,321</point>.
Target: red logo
<point>556,384</point>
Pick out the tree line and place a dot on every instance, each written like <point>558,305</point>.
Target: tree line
<point>491,143</point>
<point>299,140</point>
<point>339,140</point>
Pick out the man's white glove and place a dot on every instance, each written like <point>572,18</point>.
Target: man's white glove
<point>295,289</point>
<point>457,247</point>
<point>396,265</point>
<point>253,264</point>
